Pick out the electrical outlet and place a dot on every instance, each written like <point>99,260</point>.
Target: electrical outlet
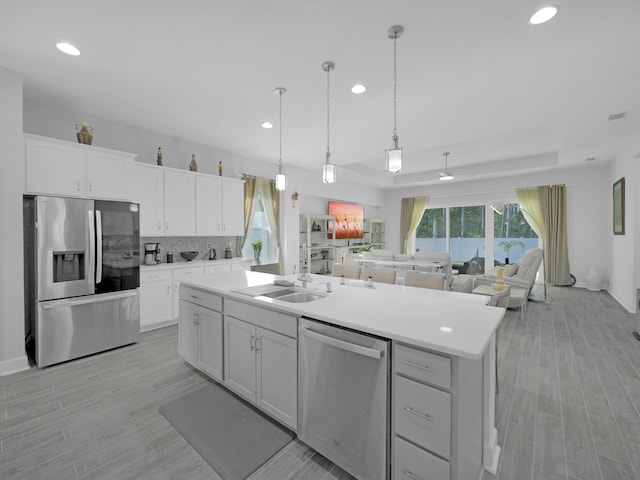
<point>209,246</point>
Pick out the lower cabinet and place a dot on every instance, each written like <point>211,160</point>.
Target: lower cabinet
<point>437,416</point>
<point>200,331</point>
<point>156,299</point>
<point>261,364</point>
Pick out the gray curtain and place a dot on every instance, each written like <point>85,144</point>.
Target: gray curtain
<point>271,201</point>
<point>249,193</point>
<point>545,211</point>
<point>411,212</point>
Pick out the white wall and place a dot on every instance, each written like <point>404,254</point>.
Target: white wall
<point>588,209</point>
<point>12,355</point>
<point>624,261</point>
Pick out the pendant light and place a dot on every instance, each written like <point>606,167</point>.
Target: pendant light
<point>328,169</point>
<point>394,155</point>
<point>444,176</point>
<point>281,178</point>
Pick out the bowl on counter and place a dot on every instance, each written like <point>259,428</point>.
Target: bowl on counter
<point>188,256</point>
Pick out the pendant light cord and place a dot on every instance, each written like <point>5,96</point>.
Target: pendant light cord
<point>328,111</point>
<point>395,84</point>
<point>280,163</point>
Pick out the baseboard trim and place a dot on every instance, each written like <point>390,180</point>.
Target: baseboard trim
<point>629,307</point>
<point>14,365</point>
<point>155,326</point>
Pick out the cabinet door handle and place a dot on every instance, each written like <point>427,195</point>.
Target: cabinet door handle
<point>195,297</point>
<point>168,289</point>
<point>410,475</point>
<point>166,226</point>
<point>78,185</point>
<point>159,225</point>
<point>416,365</point>
<point>252,343</point>
<point>196,319</point>
<point>424,416</point>
<point>258,343</point>
<point>90,186</point>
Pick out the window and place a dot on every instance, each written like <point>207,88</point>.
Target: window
<point>467,237</point>
<point>431,234</point>
<point>259,230</point>
<point>512,235</point>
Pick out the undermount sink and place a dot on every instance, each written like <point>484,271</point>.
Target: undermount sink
<point>301,297</point>
<point>286,294</point>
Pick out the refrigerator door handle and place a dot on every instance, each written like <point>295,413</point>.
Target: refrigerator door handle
<point>98,246</point>
<point>88,299</point>
<point>92,250</point>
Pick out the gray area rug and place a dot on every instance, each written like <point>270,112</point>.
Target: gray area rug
<point>231,435</point>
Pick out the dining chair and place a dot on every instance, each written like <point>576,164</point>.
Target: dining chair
<point>433,280</point>
<point>349,271</point>
<point>381,275</point>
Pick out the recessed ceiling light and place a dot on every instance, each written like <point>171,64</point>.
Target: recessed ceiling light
<point>358,88</point>
<point>68,49</point>
<point>446,329</point>
<point>543,15</point>
<point>267,125</point>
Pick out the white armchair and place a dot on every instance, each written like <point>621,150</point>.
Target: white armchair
<point>520,275</point>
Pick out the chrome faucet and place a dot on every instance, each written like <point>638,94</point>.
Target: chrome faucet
<point>304,276</point>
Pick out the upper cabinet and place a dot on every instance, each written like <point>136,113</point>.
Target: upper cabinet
<point>58,167</point>
<point>179,202</point>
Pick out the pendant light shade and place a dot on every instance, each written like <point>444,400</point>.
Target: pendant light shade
<point>446,175</point>
<point>393,162</point>
<point>328,169</point>
<point>281,178</point>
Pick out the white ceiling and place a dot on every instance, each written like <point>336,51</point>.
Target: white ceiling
<point>474,77</point>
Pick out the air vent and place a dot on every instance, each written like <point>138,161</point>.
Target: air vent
<point>617,116</point>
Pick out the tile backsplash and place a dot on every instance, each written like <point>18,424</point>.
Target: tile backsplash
<point>183,244</point>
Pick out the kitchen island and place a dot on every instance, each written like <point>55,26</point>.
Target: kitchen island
<point>454,330</point>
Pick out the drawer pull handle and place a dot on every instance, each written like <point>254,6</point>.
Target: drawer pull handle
<point>416,365</point>
<point>410,475</point>
<point>418,414</point>
<point>196,298</point>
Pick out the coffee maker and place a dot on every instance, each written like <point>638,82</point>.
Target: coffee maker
<point>151,253</point>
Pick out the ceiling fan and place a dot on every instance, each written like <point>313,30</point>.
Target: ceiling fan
<point>446,175</point>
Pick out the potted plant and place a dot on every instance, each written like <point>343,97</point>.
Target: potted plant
<point>257,248</point>
<point>508,245</point>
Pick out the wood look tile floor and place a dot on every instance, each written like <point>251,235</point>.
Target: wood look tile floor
<point>568,406</point>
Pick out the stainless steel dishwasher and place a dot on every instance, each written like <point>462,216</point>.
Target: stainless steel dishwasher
<point>344,407</point>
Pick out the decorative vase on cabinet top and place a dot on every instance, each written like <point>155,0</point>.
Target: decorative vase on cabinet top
<point>84,133</point>
<point>193,166</point>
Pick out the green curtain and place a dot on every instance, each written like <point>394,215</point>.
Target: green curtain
<point>271,201</point>
<point>411,212</point>
<point>544,208</point>
<point>249,193</point>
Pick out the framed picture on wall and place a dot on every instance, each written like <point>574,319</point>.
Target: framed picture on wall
<point>618,207</point>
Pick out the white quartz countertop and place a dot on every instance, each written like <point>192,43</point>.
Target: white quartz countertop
<point>195,263</point>
<point>454,323</point>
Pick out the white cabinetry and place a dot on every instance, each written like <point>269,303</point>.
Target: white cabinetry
<point>316,232</point>
<point>57,167</point>
<point>178,274</point>
<point>200,330</point>
<point>232,207</point>
<point>149,193</point>
<point>179,202</point>
<point>261,361</point>
<point>156,299</point>
<point>437,415</point>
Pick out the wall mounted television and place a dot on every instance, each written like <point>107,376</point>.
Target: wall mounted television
<point>350,219</point>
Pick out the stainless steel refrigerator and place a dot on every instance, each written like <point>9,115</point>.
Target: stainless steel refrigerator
<point>82,276</point>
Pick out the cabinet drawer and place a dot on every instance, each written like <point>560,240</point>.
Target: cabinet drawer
<point>204,299</point>
<point>216,268</point>
<point>154,275</point>
<point>278,322</point>
<point>187,272</point>
<point>423,415</point>
<point>424,366</point>
<point>413,463</point>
